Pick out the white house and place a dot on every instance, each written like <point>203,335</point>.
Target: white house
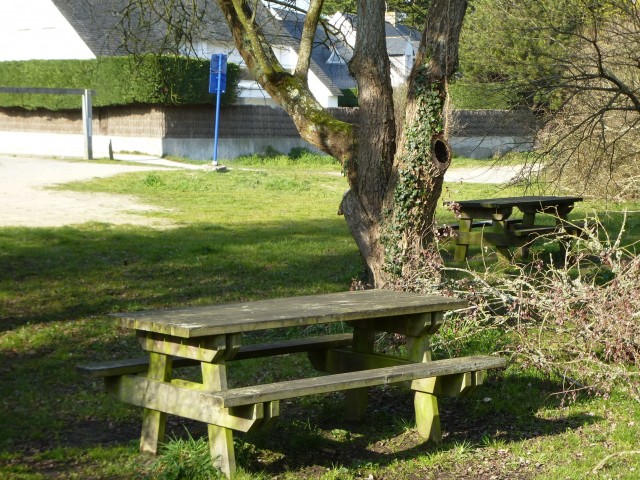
<point>86,29</point>
<point>402,42</point>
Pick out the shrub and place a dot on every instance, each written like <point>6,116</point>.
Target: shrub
<point>580,321</point>
<point>150,79</point>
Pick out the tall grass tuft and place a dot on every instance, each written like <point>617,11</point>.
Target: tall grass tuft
<point>185,459</point>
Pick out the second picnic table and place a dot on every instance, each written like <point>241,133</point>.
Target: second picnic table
<point>211,336</point>
<point>503,232</point>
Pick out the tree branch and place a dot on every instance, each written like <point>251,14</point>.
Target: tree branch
<point>306,42</point>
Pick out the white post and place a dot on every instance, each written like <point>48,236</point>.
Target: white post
<point>87,118</point>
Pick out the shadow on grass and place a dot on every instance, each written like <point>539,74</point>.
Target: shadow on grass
<point>66,273</point>
<point>59,283</point>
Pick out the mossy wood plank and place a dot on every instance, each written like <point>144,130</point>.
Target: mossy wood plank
<point>449,385</point>
<point>358,398</point>
<point>153,420</point>
<point>297,345</point>
<point>534,231</point>
<point>342,360</point>
<point>286,312</point>
<point>428,417</point>
<point>184,402</point>
<point>141,364</point>
<point>350,380</point>
<point>415,325</point>
<point>207,349</point>
<point>526,202</point>
<point>488,238</point>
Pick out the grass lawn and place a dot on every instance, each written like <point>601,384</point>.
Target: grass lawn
<point>261,230</point>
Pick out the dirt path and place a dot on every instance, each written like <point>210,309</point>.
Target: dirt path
<point>27,201</point>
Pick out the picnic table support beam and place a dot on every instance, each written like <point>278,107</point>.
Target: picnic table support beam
<point>357,399</point>
<point>214,378</point>
<point>154,421</point>
<point>461,249</point>
<point>425,404</point>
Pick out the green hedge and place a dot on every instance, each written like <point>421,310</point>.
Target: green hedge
<point>481,96</point>
<point>151,79</point>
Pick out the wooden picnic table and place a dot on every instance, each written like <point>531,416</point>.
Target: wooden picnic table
<point>211,336</point>
<point>503,231</point>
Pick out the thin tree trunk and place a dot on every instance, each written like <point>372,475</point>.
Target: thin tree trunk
<point>369,174</point>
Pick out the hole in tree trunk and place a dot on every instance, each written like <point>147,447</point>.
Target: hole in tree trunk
<point>441,153</point>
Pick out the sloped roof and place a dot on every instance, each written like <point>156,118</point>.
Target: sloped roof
<point>335,76</point>
<point>119,27</point>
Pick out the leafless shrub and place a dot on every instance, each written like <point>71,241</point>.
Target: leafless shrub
<point>592,140</point>
<point>580,321</point>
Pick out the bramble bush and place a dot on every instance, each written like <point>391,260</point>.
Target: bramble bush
<point>578,319</point>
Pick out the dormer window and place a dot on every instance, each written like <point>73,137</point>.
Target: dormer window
<point>335,58</point>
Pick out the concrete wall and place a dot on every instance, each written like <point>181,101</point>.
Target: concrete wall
<point>244,130</point>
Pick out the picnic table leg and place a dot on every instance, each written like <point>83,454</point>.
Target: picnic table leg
<point>214,377</point>
<point>500,227</point>
<point>528,220</point>
<point>461,249</point>
<point>426,404</point>
<point>357,398</point>
<point>153,421</point>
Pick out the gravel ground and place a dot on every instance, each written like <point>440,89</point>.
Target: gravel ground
<point>26,199</point>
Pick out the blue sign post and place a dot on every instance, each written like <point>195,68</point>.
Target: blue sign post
<point>217,85</point>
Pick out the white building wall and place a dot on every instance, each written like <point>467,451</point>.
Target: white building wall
<point>35,29</point>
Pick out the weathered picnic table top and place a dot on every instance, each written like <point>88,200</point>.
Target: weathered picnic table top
<point>523,201</point>
<point>201,321</point>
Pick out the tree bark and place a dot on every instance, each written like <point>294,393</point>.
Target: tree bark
<point>291,92</point>
<point>394,187</point>
<point>423,152</point>
<point>369,173</point>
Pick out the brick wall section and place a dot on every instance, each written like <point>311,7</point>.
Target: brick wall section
<point>488,123</point>
<point>235,122</point>
<point>19,120</point>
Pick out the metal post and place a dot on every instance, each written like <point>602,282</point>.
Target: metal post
<point>218,95</point>
<point>87,118</point>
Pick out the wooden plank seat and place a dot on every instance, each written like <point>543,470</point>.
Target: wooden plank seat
<point>534,231</point>
<point>247,408</point>
<point>362,378</point>
<point>574,229</point>
<point>133,366</point>
<point>243,408</point>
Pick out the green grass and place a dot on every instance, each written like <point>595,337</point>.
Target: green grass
<point>263,229</point>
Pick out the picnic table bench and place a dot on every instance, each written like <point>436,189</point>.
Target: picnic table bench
<point>488,221</point>
<point>211,336</point>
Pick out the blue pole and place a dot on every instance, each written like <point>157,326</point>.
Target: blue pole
<point>218,95</point>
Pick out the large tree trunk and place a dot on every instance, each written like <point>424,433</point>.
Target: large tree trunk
<point>394,241</point>
<point>370,172</point>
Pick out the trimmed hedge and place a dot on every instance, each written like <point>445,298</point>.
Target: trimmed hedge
<point>481,96</point>
<point>349,98</point>
<point>150,79</point>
